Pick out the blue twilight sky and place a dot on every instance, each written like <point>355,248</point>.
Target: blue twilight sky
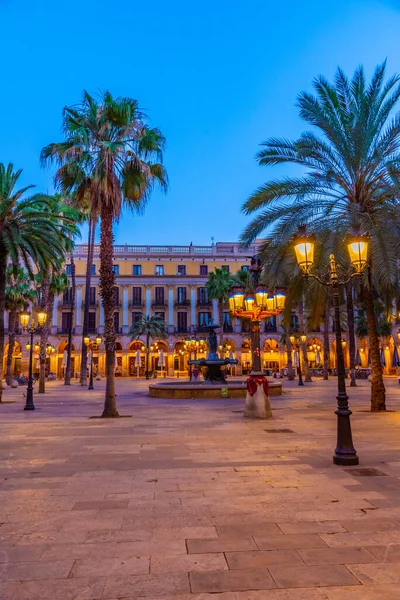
<point>217,77</point>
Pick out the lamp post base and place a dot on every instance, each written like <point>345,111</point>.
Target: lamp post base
<point>257,398</point>
<point>345,453</point>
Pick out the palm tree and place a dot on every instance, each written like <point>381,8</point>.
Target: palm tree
<point>352,181</point>
<point>219,285</point>
<point>19,293</point>
<point>29,235</point>
<point>108,143</point>
<point>152,327</point>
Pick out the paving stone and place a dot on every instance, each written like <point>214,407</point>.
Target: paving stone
<point>377,573</point>
<point>189,562</point>
<point>61,589</point>
<point>260,559</point>
<point>105,567</point>
<point>282,542</point>
<point>100,504</point>
<point>9,554</point>
<point>388,553</point>
<point>312,527</point>
<point>379,592</point>
<point>224,544</point>
<point>225,581</point>
<point>145,585</point>
<point>308,576</point>
<point>337,556</point>
<point>23,571</point>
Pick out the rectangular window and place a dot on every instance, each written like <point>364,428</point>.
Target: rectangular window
<point>116,322</point>
<point>115,269</point>
<point>204,319</point>
<point>67,296</point>
<point>92,295</point>
<point>245,267</point>
<point>92,322</point>
<point>182,322</point>
<point>65,322</point>
<point>225,268</point>
<point>136,316</point>
<point>181,295</point>
<point>181,269</point>
<point>93,269</point>
<point>137,296</point>
<point>159,296</point>
<point>116,296</point>
<point>137,270</point>
<point>294,324</point>
<point>160,270</point>
<point>202,295</point>
<point>203,269</point>
<point>68,269</point>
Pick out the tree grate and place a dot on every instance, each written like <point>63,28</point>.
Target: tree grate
<point>367,472</point>
<point>279,430</point>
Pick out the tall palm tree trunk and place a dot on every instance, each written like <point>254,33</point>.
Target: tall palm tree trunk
<point>12,327</point>
<point>107,282</point>
<point>3,265</point>
<point>147,355</point>
<point>67,380</point>
<point>89,263</point>
<point>221,321</point>
<point>327,314</point>
<point>378,392</point>
<point>290,375</point>
<point>44,334</point>
<point>351,333</point>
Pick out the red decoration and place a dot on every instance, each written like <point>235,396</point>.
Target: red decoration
<point>254,381</point>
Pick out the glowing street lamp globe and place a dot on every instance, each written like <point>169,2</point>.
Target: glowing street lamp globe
<point>358,252</point>
<point>41,317</point>
<point>24,319</point>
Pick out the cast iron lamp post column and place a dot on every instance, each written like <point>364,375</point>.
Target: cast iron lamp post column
<point>345,453</point>
<point>24,320</point>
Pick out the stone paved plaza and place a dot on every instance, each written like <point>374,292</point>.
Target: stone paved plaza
<point>187,500</point>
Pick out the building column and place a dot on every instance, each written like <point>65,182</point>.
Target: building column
<point>193,300</point>
<point>215,314</point>
<point>171,325</point>
<point>148,300</point>
<point>125,301</point>
<point>54,320</point>
<point>78,310</point>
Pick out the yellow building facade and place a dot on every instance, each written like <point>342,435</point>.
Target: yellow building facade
<point>169,281</point>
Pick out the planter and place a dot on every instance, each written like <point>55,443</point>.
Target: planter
<point>98,377</point>
<point>14,383</point>
<point>4,385</point>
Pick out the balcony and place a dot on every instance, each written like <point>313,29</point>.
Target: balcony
<point>182,329</point>
<point>270,328</point>
<point>91,304</point>
<point>92,330</point>
<point>159,303</point>
<point>66,302</point>
<point>202,329</point>
<point>64,330</point>
<point>136,304</point>
<point>228,328</point>
<point>181,302</point>
<point>203,302</point>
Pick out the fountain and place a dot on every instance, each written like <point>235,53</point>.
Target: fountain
<point>213,362</point>
<point>214,385</point>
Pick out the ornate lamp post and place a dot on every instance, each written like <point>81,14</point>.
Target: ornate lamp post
<point>90,345</point>
<point>256,307</point>
<point>24,318</point>
<point>193,346</point>
<point>345,453</point>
